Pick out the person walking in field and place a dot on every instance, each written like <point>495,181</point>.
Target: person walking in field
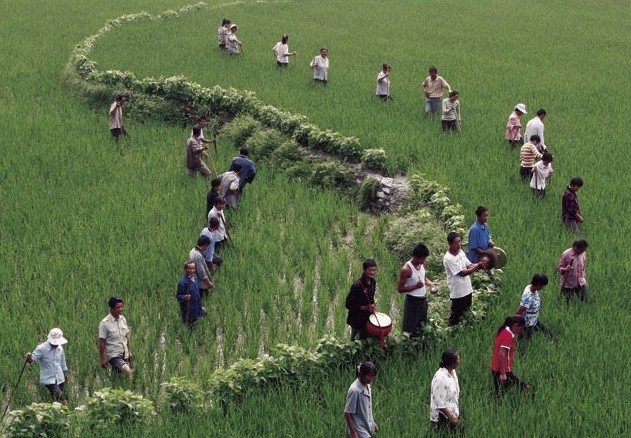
<point>458,269</point>
<point>570,209</point>
<point>232,42</point>
<point>479,234</point>
<point>412,282</point>
<point>212,194</point>
<point>360,300</point>
<point>114,335</point>
<point>218,213</point>
<point>444,408</point>
<point>194,153</point>
<point>188,295</point>
<point>504,353</point>
<point>383,83</point>
<point>358,414</point>
<point>451,120</point>
<point>282,53</point>
<point>117,124</point>
<point>528,156</point>
<point>530,305</point>
<point>572,269</point>
<point>540,174</point>
<point>320,66</point>
<point>213,261</point>
<point>222,33</point>
<point>248,171</point>
<point>513,126</point>
<point>52,364</point>
<point>196,255</point>
<point>434,86</point>
<point>535,127</point>
<point>230,183</point>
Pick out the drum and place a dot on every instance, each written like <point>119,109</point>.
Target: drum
<point>379,325</point>
<point>494,257</point>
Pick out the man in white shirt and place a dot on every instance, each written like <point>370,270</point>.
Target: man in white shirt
<point>434,86</point>
<point>535,127</point>
<point>458,268</point>
<point>282,53</point>
<point>383,83</point>
<point>114,346</point>
<point>229,188</point>
<point>320,66</point>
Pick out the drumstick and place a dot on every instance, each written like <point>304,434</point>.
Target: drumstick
<point>377,318</point>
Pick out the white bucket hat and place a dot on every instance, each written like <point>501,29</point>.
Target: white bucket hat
<point>56,337</point>
<point>521,107</point>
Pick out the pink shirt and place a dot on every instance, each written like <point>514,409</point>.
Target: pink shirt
<point>575,277</point>
<point>513,127</point>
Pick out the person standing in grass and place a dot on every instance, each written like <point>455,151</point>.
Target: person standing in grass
<point>248,171</point>
<point>530,304</point>
<point>213,261</point>
<point>540,174</point>
<point>479,234</point>
<point>222,33</point>
<point>320,66</point>
<point>434,86</point>
<point>570,210</point>
<point>504,352</point>
<point>451,120</point>
<point>188,295</point>
<point>572,269</point>
<point>117,124</point>
<point>458,269</point>
<point>282,53</point>
<point>360,422</point>
<point>52,364</point>
<point>528,155</point>
<point>194,153</point>
<point>383,82</point>
<point>212,194</point>
<point>232,42</point>
<point>230,183</point>
<point>535,127</point>
<point>218,213</point>
<point>196,255</point>
<point>360,300</point>
<point>114,344</point>
<point>513,126</point>
<point>412,282</point>
<point>444,410</point>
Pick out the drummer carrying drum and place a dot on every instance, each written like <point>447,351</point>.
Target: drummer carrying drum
<point>360,301</point>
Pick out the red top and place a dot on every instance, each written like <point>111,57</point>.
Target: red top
<point>506,339</point>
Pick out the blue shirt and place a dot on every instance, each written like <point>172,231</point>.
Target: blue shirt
<point>248,172</point>
<point>190,310</point>
<point>479,237</point>
<point>52,364</point>
<point>210,251</point>
<point>532,302</point>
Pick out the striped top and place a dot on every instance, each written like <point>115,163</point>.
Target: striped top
<point>529,155</point>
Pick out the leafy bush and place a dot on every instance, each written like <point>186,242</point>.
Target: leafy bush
<point>263,143</point>
<point>116,406</point>
<point>330,174</point>
<point>240,130</point>
<point>181,395</point>
<point>374,159</point>
<point>39,419</point>
<point>368,192</point>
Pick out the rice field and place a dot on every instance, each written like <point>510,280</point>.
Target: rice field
<point>84,218</point>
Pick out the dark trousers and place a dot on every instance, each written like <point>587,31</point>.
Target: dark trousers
<point>511,379</point>
<point>57,391</point>
<point>443,424</point>
<point>458,307</point>
<point>414,314</point>
<point>538,327</point>
<point>449,125</point>
<point>525,173</point>
<point>581,292</point>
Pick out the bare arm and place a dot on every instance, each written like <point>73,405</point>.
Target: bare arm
<point>102,352</point>
<point>452,418</point>
<point>351,426</point>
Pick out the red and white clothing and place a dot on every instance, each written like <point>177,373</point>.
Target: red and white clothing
<point>505,340</point>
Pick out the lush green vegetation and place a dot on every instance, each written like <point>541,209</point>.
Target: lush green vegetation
<point>83,218</point>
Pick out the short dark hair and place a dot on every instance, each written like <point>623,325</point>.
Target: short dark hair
<point>385,66</point>
<point>448,358</point>
<point>197,130</point>
<point>113,301</point>
<point>213,222</point>
<point>433,69</point>
<point>576,181</point>
<point>120,96</point>
<point>225,21</point>
<point>510,321</point>
<point>420,251</point>
<point>216,182</point>
<point>451,237</point>
<point>535,137</point>
<point>244,151</point>
<point>539,279</point>
<point>366,368</point>
<point>219,200</point>
<point>369,263</point>
<point>580,243</point>
<point>481,209</point>
<point>284,39</point>
<point>541,112</point>
<point>547,156</point>
<point>203,241</point>
<point>453,93</point>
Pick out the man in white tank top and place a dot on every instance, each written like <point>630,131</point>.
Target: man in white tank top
<point>412,283</point>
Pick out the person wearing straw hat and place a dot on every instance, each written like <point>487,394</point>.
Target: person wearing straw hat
<point>233,43</point>
<point>52,364</point>
<point>513,126</point>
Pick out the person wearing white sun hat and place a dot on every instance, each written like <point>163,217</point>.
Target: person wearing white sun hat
<point>52,364</point>
<point>513,126</point>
